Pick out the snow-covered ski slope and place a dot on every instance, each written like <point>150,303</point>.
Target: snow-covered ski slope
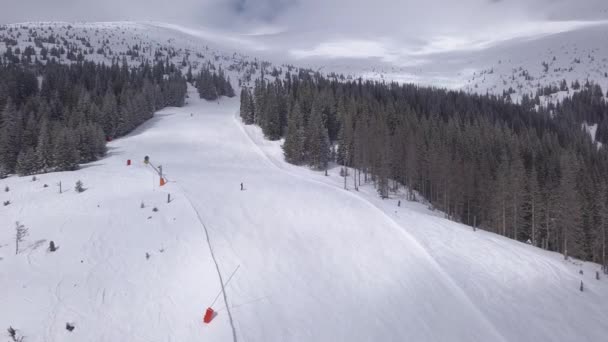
<point>313,261</point>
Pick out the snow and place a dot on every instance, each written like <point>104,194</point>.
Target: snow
<point>117,40</point>
<point>315,262</point>
<point>591,130</point>
<point>577,53</point>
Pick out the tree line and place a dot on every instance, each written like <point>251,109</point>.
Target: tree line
<point>529,174</point>
<point>54,117</point>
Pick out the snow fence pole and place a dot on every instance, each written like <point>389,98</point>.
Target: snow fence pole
<point>226,284</point>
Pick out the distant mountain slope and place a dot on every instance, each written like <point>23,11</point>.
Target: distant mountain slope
<point>517,67</point>
<point>134,42</point>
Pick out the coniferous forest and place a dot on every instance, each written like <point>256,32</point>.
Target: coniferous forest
<point>212,85</point>
<point>531,174</point>
<point>54,117</point>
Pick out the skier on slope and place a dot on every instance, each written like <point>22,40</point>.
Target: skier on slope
<point>242,186</point>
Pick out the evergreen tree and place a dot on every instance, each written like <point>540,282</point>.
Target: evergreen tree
<point>44,148</point>
<point>26,162</point>
<point>65,153</point>
<point>10,144</point>
<point>293,148</point>
<point>111,114</point>
<point>531,207</point>
<point>569,208</point>
<point>317,143</point>
<point>244,108</point>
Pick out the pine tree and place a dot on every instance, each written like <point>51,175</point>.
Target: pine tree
<point>345,137</point>
<point>317,143</point>
<point>531,206</point>
<point>500,199</point>
<point>271,125</point>
<point>10,138</point>
<point>65,153</point>
<point>206,85</point>
<point>30,132</point>
<point>516,185</point>
<point>189,76</point>
<point>111,113</point>
<point>244,109</point>
<point>569,210</point>
<point>44,149</point>
<point>229,91</point>
<point>250,114</point>
<point>293,148</point>
<point>603,207</point>
<point>26,162</point>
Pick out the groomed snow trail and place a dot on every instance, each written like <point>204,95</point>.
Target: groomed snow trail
<point>217,267</point>
<point>316,262</point>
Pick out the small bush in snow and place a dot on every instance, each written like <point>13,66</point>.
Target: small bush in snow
<point>34,178</point>
<point>155,209</point>
<point>147,255</point>
<point>142,205</point>
<point>79,187</point>
<point>12,333</point>
<point>20,234</point>
<point>45,186</point>
<point>69,327</point>
<point>52,246</point>
<point>7,203</point>
<point>7,189</point>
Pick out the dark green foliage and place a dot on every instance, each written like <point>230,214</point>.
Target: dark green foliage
<point>65,152</point>
<point>212,85</point>
<point>270,108</point>
<point>26,162</point>
<point>295,137</point>
<point>10,136</point>
<point>317,139</point>
<point>77,108</point>
<point>526,173</point>
<point>247,109</point>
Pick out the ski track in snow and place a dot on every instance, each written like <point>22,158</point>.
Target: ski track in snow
<point>217,266</point>
<point>278,165</point>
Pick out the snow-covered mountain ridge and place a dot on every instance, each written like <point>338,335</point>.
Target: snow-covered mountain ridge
<point>517,67</point>
<point>133,42</point>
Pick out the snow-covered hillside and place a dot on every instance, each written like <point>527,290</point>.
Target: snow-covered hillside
<point>517,66</point>
<point>303,258</point>
<point>133,42</point>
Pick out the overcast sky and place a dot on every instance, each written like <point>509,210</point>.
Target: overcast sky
<point>385,29</point>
